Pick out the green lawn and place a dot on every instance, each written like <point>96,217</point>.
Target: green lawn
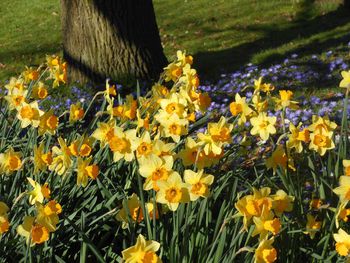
<point>222,34</point>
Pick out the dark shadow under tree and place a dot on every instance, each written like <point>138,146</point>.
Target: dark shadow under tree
<point>111,39</point>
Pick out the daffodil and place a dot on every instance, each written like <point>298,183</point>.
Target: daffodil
<point>61,161</point>
<point>41,159</point>
<point>174,127</point>
<point>192,154</point>
<point>266,223</point>
<point>123,144</point>
<point>343,190</point>
<point>82,146</point>
<point>155,169</point>
<point>345,82</point>
<point>265,253</point>
<point>104,132</point>
<point>4,222</point>
<point>342,214</point>
<point>321,142</point>
<point>33,232</point>
<point>86,170</point>
<point>10,161</point>
<point>173,72</point>
<point>312,226</point>
<point>39,91</point>
<point>133,209</point>
<point>284,101</point>
<point>38,193</point>
<point>30,74</point>
<point>263,125</point>
<point>143,251</point>
<point>48,123</point>
<point>173,191</point>
<point>199,182</point>
<point>175,104</point>
<point>253,205</point>
<point>346,165</point>
<point>145,146</point>
<point>29,114</point>
<point>239,107</point>
<point>342,245</point>
<point>48,215</point>
<point>297,137</point>
<point>282,202</point>
<point>76,112</point>
<point>183,59</point>
<point>322,125</point>
<point>16,97</point>
<point>279,158</point>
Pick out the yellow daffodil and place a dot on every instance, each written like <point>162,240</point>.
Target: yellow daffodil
<point>48,215</point>
<point>266,223</point>
<point>265,253</point>
<point>41,160</point>
<point>33,232</point>
<point>199,182</point>
<point>193,155</point>
<point>322,125</point>
<point>342,245</point>
<point>346,165</point>
<point>82,146</point>
<point>30,74</point>
<point>175,104</point>
<point>86,170</point>
<point>321,142</point>
<point>253,205</point>
<point>29,114</point>
<point>155,169</point>
<point>4,222</point>
<point>143,251</point>
<point>10,161</point>
<point>76,112</point>
<point>104,132</point>
<point>343,190</point>
<point>297,137</point>
<point>16,97</point>
<point>183,59</point>
<point>61,161</point>
<point>342,214</point>
<point>284,101</point>
<point>173,191</point>
<point>48,123</point>
<point>174,127</point>
<point>172,72</point>
<point>39,91</point>
<point>123,144</point>
<point>312,226</point>
<point>240,108</point>
<point>38,193</point>
<point>145,146</point>
<point>282,202</point>
<point>279,158</point>
<point>263,125</point>
<point>133,209</point>
<point>345,82</point>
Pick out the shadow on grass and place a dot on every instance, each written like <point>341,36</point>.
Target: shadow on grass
<point>211,64</point>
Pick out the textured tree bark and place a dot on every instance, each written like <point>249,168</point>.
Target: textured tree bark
<point>347,3</point>
<point>117,39</point>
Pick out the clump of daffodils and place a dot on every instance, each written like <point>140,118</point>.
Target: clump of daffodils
<point>148,147</point>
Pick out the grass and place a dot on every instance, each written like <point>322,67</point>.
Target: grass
<point>223,34</point>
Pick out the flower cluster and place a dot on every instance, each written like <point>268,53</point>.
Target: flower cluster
<point>139,163</point>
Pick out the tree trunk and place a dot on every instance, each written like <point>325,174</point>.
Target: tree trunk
<point>347,3</point>
<point>117,39</point>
